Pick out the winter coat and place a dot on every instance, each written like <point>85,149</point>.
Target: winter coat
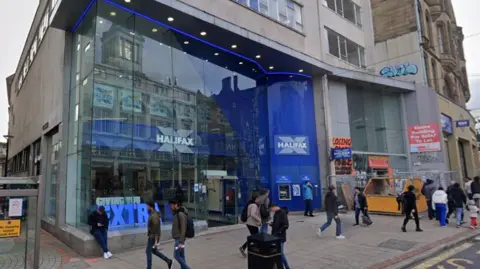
<point>475,187</point>
<point>473,209</point>
<point>439,197</point>
<point>457,197</point>
<point>253,214</point>
<point>280,225</point>
<point>362,201</point>
<point>409,201</point>
<point>331,206</point>
<point>95,218</point>
<point>428,189</point>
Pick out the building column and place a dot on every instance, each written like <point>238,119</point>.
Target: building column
<point>454,156</point>
<point>323,143</point>
<point>469,159</point>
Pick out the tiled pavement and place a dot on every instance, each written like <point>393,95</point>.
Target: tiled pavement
<point>373,247</point>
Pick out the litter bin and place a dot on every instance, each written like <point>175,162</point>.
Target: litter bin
<point>264,251</point>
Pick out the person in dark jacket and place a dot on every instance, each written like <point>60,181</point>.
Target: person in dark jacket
<point>279,229</point>
<point>451,203</point>
<point>475,187</point>
<point>458,200</point>
<point>179,231</point>
<point>428,189</point>
<point>331,207</point>
<point>360,205</point>
<point>410,208</point>
<point>98,220</point>
<point>154,233</point>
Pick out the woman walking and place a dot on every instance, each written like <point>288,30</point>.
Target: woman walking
<point>253,220</point>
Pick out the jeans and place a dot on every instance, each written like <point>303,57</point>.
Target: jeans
<point>157,253</point>
<point>102,238</point>
<point>459,215</point>
<point>308,207</point>
<point>357,214</point>
<point>264,228</point>
<point>329,221</point>
<point>179,254</point>
<point>431,211</point>
<point>284,258</point>
<point>441,211</point>
<point>253,230</point>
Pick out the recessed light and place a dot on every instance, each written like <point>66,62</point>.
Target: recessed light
<point>258,56</point>
<point>234,46</point>
<point>301,70</point>
<point>186,42</point>
<point>113,13</point>
<point>100,21</point>
<point>240,63</point>
<point>206,60</point>
<point>216,54</point>
<point>154,30</point>
<point>291,76</point>
<point>271,67</point>
<point>128,1</point>
<point>203,33</point>
<point>132,33</point>
<point>170,19</point>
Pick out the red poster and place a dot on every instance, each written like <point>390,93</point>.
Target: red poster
<point>424,137</point>
<point>381,162</point>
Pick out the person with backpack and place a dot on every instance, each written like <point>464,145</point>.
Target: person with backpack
<point>251,217</point>
<point>182,228</point>
<point>154,233</point>
<point>98,221</point>
<point>308,197</point>
<point>279,229</point>
<point>264,202</point>
<point>409,200</point>
<point>331,207</point>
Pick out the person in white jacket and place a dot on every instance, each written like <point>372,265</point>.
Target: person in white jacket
<point>473,209</point>
<point>439,202</point>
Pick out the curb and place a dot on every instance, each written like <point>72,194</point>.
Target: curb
<point>412,258</point>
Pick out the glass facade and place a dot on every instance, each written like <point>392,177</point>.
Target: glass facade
<point>154,111</point>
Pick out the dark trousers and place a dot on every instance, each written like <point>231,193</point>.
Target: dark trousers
<point>308,207</point>
<point>253,230</point>
<point>102,238</point>
<point>150,250</point>
<point>408,216</point>
<point>357,214</point>
<point>431,210</point>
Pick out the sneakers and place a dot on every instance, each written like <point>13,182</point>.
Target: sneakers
<point>419,230</point>
<point>404,229</point>
<point>109,254</point>
<point>340,237</point>
<point>319,233</point>
<point>169,263</point>
<point>105,255</point>
<point>243,252</point>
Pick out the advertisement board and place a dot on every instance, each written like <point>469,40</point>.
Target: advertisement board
<point>382,162</point>
<point>341,154</point>
<point>424,137</point>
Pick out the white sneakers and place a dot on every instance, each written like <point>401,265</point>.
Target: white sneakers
<point>107,255</point>
<point>319,234</point>
<point>340,237</point>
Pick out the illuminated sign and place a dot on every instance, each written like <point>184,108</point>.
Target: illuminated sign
<point>179,139</point>
<point>291,145</point>
<point>36,42</point>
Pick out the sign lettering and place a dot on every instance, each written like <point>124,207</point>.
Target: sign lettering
<point>9,228</point>
<point>424,137</point>
<point>291,145</point>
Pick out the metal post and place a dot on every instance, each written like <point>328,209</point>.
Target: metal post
<point>6,156</point>
<point>38,221</point>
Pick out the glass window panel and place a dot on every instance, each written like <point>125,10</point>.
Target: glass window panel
<point>330,4</point>
<point>358,15</point>
<point>339,6</point>
<point>333,43</point>
<point>352,51</point>
<point>349,10</point>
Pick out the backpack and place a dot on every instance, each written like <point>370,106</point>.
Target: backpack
<point>244,215</point>
<point>190,232</point>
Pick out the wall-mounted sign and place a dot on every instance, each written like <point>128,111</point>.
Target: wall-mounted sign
<point>170,139</point>
<point>462,123</point>
<point>424,138</point>
<point>283,179</point>
<point>103,95</point>
<point>342,142</point>
<point>447,125</point>
<point>122,215</point>
<point>9,228</point>
<point>15,207</point>
<point>399,70</point>
<point>381,162</point>
<point>341,154</point>
<point>296,190</point>
<point>291,145</point>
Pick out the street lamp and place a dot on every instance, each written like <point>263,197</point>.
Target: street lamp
<point>7,137</point>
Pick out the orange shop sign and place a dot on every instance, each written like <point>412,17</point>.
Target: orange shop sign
<point>378,162</point>
<point>341,142</point>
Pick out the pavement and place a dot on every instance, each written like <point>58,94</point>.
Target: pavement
<point>465,256</point>
<point>381,245</point>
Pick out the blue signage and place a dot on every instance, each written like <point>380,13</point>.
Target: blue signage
<point>291,145</point>
<point>305,178</point>
<point>462,123</point>
<point>283,179</point>
<point>399,70</point>
<point>341,154</point>
<point>128,215</point>
<point>447,125</point>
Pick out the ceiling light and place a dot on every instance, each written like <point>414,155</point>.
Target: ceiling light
<point>128,1</point>
<point>203,33</point>
<point>301,70</point>
<point>206,60</point>
<point>186,42</point>
<point>240,63</point>
<point>216,54</point>
<point>100,21</point>
<point>170,19</point>
<point>258,56</point>
<point>234,46</point>
<point>154,30</point>
<point>271,67</point>
<point>113,13</point>
<point>132,33</point>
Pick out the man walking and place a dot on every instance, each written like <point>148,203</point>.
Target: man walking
<point>428,190</point>
<point>360,205</point>
<point>264,206</point>
<point>410,208</point>
<point>154,233</point>
<point>179,232</point>
<point>459,199</point>
<point>308,197</point>
<point>331,207</point>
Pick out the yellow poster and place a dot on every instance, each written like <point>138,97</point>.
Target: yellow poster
<point>9,228</point>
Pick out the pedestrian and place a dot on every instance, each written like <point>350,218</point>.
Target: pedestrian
<point>264,206</point>
<point>154,233</point>
<point>475,187</point>
<point>468,188</point>
<point>360,205</point>
<point>428,190</point>
<point>473,209</point>
<point>308,197</point>
<point>279,229</point>
<point>98,221</point>
<point>253,220</point>
<point>179,232</point>
<point>439,201</point>
<point>459,199</point>
<point>331,208</point>
<point>410,208</point>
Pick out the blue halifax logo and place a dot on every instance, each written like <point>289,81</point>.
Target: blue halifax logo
<point>291,145</point>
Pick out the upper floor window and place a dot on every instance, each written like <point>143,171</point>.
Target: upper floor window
<point>347,9</point>
<point>345,49</point>
<point>285,11</point>
<point>442,39</point>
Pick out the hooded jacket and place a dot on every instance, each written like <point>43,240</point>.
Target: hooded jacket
<point>280,224</point>
<point>457,197</point>
<point>475,186</point>
<point>95,218</point>
<point>428,189</point>
<point>331,206</point>
<point>439,197</point>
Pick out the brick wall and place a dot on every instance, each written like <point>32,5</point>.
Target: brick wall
<point>393,18</point>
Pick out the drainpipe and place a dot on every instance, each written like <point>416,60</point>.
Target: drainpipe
<point>419,31</point>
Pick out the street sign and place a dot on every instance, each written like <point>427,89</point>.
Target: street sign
<point>462,123</point>
<point>9,228</point>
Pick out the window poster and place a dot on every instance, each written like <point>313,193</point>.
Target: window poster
<point>296,190</point>
<point>284,192</point>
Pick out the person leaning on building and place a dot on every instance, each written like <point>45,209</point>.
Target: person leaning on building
<point>98,220</point>
<point>154,233</point>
